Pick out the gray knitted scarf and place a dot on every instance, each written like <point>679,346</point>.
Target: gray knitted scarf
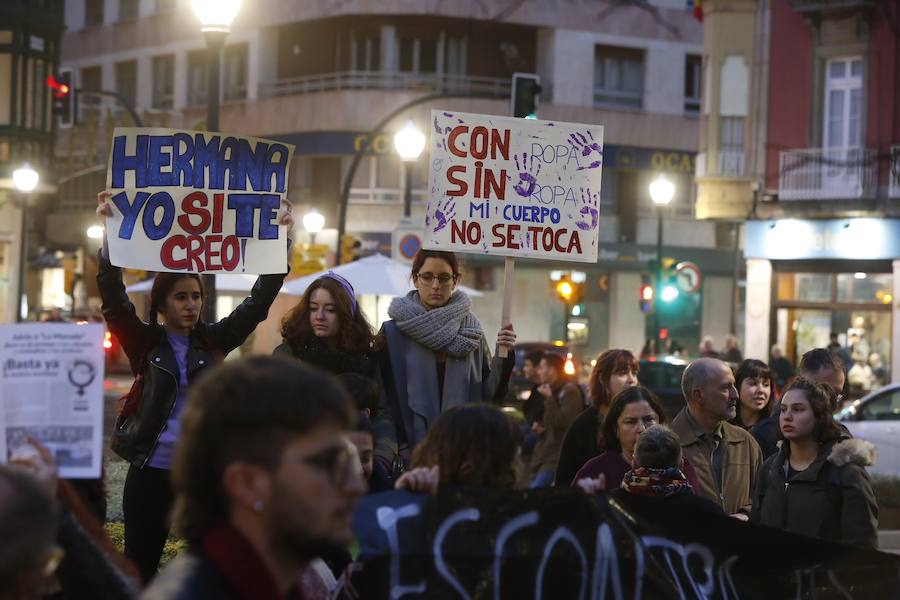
<point>452,328</point>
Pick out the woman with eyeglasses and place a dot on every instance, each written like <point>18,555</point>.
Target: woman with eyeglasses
<point>632,412</point>
<point>327,330</point>
<point>435,355</point>
<point>817,484</point>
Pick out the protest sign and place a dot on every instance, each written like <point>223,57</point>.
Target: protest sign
<point>561,543</point>
<point>514,187</point>
<point>51,388</point>
<point>197,201</point>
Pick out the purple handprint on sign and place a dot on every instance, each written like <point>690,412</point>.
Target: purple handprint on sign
<point>528,171</point>
<point>589,210</point>
<point>588,148</point>
<point>442,215</point>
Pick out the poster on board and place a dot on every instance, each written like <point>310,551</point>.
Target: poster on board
<point>514,187</point>
<point>194,201</point>
<point>51,388</point>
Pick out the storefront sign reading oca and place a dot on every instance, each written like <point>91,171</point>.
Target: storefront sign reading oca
<point>197,201</point>
<point>514,187</point>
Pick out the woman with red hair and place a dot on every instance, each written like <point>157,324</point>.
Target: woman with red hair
<point>616,370</point>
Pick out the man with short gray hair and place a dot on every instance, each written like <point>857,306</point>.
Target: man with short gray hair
<point>725,457</point>
<point>658,448</point>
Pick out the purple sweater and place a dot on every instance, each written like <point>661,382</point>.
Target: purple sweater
<point>165,447</point>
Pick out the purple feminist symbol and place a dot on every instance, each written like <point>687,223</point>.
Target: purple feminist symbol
<point>443,214</point>
<point>588,148</point>
<point>528,172</point>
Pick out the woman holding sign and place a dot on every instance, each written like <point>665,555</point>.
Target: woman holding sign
<point>435,353</point>
<point>166,355</point>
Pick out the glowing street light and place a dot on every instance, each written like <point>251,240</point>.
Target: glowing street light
<point>662,191</point>
<point>25,178</point>
<point>95,232</point>
<point>216,15</point>
<point>409,142</point>
<point>313,222</point>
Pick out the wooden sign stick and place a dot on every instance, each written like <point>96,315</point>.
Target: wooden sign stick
<point>509,276</point>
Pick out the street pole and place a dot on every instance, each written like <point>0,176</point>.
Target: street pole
<point>22,247</point>
<point>407,188</point>
<point>215,41</point>
<point>658,275</point>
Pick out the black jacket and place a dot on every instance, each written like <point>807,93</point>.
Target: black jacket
<point>149,353</point>
<point>579,446</point>
<point>317,353</point>
<point>832,499</point>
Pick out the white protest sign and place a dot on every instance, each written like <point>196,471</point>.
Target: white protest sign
<point>51,388</point>
<point>195,201</point>
<point>514,187</point>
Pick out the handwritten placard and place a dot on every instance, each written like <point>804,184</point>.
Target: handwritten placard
<point>197,201</point>
<point>514,187</point>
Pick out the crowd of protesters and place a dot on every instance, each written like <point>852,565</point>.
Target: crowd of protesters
<point>258,466</point>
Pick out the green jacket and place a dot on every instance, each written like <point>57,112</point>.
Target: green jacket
<point>832,499</point>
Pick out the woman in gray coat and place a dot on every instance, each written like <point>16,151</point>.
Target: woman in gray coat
<point>817,483</point>
<point>434,355</point>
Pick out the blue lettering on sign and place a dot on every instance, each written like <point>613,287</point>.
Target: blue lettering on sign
<point>245,206</point>
<point>130,211</point>
<point>185,160</point>
<point>154,230</point>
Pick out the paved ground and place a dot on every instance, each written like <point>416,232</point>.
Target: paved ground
<point>115,386</point>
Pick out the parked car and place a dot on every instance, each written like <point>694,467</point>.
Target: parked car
<point>662,376</point>
<point>876,419</point>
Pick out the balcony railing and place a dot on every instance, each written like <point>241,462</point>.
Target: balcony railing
<point>816,6</point>
<point>731,163</point>
<point>894,173</point>
<point>827,174</point>
<point>383,80</point>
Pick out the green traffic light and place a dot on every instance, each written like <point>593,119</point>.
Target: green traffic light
<point>669,293</point>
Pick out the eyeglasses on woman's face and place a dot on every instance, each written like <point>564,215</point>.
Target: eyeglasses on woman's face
<point>444,279</point>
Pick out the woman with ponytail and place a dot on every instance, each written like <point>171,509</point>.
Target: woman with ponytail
<point>167,355</point>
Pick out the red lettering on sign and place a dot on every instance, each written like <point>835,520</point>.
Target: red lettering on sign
<point>194,204</point>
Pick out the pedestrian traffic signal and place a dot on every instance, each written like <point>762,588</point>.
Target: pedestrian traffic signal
<point>63,97</point>
<point>526,89</point>
<point>350,246</point>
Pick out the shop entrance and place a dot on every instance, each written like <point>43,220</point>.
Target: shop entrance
<point>856,306</point>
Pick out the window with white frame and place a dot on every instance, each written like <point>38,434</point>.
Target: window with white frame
<point>618,76</point>
<point>417,55</point>
<point>93,13</point>
<point>197,82</point>
<point>731,146</point>
<point>365,53</point>
<point>126,80</point>
<point>235,73</point>
<point>692,83</point>
<point>128,9</point>
<point>163,81</point>
<point>843,103</point>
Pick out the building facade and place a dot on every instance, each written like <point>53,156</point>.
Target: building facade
<point>819,180</point>
<point>321,75</point>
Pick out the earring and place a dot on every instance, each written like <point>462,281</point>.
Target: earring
<point>258,506</point>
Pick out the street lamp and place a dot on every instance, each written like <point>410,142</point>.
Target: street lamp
<point>661,192</point>
<point>215,18</point>
<point>313,222</point>
<point>409,143</point>
<point>95,232</point>
<point>25,179</point>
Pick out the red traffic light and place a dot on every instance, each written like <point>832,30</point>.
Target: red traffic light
<point>60,89</point>
<point>647,292</point>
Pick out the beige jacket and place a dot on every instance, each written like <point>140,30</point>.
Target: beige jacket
<point>740,464</point>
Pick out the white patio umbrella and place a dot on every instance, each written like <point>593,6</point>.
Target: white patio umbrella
<point>375,274</point>
<point>226,283</point>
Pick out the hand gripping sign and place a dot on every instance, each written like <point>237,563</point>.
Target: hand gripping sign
<point>514,187</point>
<point>196,201</point>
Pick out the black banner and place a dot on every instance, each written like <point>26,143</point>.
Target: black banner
<point>560,543</point>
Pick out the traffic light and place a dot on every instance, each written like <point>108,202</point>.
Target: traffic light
<point>350,246</point>
<point>63,97</point>
<point>569,291</point>
<point>668,284</point>
<point>526,89</point>
<point>646,294</point>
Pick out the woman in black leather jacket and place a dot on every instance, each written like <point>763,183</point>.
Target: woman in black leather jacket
<point>167,354</point>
